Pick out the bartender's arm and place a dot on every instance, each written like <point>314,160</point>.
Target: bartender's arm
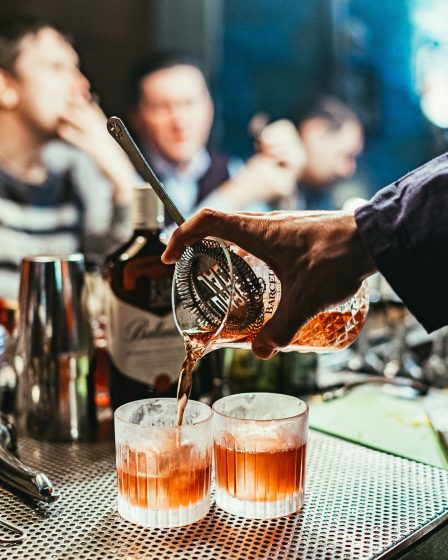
<point>405,229</point>
<point>322,257</point>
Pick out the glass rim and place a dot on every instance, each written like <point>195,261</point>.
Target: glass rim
<point>284,418</point>
<point>119,411</point>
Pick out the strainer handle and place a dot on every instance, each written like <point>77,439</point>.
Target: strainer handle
<point>121,135</point>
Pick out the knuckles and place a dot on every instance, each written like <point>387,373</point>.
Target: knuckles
<point>207,218</point>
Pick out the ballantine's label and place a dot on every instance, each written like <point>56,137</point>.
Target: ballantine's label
<point>143,346</point>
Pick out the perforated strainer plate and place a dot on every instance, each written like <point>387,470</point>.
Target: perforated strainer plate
<point>359,503</point>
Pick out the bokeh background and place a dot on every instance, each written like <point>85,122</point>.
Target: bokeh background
<point>388,60</point>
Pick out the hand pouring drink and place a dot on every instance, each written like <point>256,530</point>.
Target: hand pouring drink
<point>222,297</point>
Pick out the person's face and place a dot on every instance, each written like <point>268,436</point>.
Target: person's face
<point>174,114</point>
<point>331,153</point>
<point>47,81</point>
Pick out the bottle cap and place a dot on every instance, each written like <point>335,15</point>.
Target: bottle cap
<point>147,208</point>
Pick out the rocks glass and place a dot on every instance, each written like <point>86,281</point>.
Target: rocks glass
<point>163,471</point>
<point>260,448</point>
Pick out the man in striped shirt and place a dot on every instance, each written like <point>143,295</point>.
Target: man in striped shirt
<point>54,197</point>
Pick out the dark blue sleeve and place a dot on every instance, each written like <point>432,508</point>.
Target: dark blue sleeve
<point>405,230</point>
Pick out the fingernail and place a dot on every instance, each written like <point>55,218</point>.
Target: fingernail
<point>264,352</point>
<point>165,260</point>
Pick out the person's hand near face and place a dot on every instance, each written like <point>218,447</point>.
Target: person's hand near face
<point>53,97</point>
<point>36,91</point>
<point>280,141</point>
<point>272,172</point>
<point>84,125</point>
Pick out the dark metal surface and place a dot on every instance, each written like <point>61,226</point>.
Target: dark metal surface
<point>54,346</point>
<point>359,503</point>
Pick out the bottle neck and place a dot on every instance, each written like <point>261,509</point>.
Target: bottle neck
<point>147,210</point>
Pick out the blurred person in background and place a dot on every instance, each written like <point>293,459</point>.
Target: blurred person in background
<point>55,198</point>
<point>172,116</point>
<point>331,139</point>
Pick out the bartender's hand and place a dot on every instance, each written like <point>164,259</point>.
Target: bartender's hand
<point>84,125</point>
<point>318,256</point>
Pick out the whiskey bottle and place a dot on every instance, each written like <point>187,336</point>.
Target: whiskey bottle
<point>145,348</point>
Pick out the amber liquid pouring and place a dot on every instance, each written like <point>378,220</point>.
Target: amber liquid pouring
<point>260,476</point>
<point>195,344</point>
<point>167,489</point>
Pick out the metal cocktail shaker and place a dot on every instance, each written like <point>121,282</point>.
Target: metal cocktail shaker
<point>56,388</point>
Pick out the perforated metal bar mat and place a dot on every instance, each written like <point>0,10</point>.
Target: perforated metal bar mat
<point>359,503</point>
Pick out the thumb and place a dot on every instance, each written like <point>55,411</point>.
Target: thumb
<point>279,331</point>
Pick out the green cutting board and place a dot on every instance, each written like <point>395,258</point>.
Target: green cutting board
<point>373,418</point>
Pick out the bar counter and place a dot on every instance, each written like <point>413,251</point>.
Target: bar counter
<point>360,503</point>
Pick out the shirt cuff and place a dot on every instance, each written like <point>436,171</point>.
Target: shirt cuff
<point>386,240</point>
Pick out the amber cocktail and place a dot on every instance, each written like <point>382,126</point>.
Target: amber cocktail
<point>260,448</point>
<point>163,471</point>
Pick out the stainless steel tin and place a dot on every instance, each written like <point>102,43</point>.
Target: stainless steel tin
<point>55,346</point>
